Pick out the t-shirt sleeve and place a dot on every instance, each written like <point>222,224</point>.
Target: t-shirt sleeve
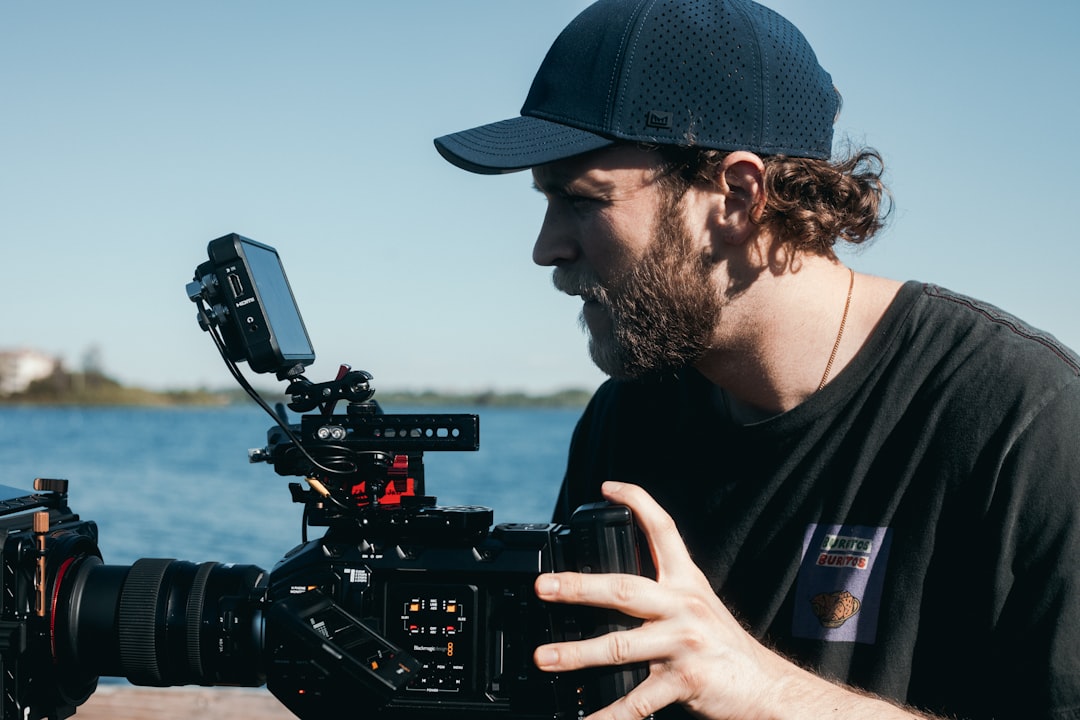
<point>1036,508</point>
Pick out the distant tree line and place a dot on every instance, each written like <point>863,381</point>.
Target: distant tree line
<point>94,387</point>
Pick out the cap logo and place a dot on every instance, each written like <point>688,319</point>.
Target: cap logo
<point>659,120</point>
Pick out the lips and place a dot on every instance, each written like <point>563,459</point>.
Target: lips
<point>589,292</point>
<point>592,302</point>
<point>577,283</point>
<point>587,296</point>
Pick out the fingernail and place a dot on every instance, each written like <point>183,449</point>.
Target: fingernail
<point>547,585</point>
<point>612,486</point>
<point>546,656</point>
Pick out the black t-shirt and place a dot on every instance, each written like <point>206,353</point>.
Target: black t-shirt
<point>913,529</point>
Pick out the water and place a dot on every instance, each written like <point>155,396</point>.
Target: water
<point>176,482</point>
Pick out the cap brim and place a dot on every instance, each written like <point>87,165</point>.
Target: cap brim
<point>516,144</point>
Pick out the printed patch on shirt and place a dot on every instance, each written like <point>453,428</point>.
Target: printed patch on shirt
<point>838,592</point>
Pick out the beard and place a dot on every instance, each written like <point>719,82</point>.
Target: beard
<point>662,312</point>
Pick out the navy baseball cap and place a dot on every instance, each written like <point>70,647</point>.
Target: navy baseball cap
<point>720,74</point>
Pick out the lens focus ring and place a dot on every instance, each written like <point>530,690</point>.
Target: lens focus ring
<point>138,610</point>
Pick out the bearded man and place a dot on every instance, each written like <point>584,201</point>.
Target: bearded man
<point>861,495</point>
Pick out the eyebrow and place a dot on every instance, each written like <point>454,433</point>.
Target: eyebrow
<point>550,183</point>
<point>552,188</point>
<point>554,184</point>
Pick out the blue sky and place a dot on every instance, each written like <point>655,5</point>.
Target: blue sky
<point>132,133</point>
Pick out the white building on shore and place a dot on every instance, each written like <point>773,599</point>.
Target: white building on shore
<point>19,368</point>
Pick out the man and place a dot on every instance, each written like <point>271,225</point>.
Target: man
<point>861,496</point>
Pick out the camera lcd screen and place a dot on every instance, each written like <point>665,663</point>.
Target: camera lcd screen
<point>260,322</point>
<point>278,304</point>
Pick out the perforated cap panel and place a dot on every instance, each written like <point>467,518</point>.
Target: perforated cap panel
<point>723,74</point>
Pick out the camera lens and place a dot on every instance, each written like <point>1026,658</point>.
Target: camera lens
<point>161,622</point>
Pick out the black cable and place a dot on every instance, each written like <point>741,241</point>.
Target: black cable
<point>234,370</point>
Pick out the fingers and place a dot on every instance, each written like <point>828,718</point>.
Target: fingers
<point>652,694</point>
<point>688,638</point>
<point>673,608</point>
<point>669,552</point>
<point>631,594</point>
<point>677,574</point>
<point>648,697</point>
<point>621,647</point>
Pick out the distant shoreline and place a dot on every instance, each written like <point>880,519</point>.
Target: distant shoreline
<point>77,390</point>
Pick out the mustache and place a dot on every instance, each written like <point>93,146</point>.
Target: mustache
<point>579,281</point>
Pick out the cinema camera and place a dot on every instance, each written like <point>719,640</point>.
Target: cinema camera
<point>402,609</point>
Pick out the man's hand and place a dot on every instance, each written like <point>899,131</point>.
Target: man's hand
<point>698,654</point>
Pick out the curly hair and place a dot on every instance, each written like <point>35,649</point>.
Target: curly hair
<point>809,204</point>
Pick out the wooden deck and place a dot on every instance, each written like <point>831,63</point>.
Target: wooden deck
<point>120,702</point>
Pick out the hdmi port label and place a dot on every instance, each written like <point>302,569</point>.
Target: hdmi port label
<point>235,285</point>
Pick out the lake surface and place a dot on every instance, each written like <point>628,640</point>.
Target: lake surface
<point>177,483</point>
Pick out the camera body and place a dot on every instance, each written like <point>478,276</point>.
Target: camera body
<point>437,584</point>
<point>401,609</point>
<point>459,603</point>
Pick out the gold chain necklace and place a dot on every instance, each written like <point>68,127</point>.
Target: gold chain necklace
<point>839,335</point>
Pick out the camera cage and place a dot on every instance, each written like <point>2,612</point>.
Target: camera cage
<point>42,538</point>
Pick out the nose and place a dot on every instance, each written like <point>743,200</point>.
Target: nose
<point>555,245</point>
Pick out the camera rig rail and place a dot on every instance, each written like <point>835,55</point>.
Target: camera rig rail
<point>364,466</point>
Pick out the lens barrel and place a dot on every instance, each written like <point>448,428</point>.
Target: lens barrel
<point>162,622</point>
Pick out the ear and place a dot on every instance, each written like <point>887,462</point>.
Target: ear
<point>740,186</point>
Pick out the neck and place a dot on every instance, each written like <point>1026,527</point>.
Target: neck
<point>777,335</point>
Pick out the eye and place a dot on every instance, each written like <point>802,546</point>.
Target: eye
<point>582,201</point>
<point>575,201</point>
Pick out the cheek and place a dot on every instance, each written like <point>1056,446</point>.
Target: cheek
<point>612,249</point>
